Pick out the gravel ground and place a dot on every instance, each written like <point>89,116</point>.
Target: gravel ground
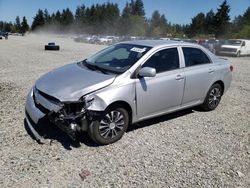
<point>185,149</point>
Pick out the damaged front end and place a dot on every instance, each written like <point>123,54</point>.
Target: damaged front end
<point>70,117</point>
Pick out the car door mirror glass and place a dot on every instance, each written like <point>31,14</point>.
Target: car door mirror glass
<point>147,72</point>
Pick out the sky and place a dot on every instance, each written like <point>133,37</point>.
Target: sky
<point>176,11</point>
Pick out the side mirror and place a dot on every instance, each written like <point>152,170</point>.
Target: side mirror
<point>243,44</point>
<point>147,72</point>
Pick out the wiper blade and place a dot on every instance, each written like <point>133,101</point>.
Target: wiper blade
<point>95,67</point>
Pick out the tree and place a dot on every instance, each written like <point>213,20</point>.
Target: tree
<point>133,21</point>
<point>24,25</point>
<point>46,17</point>
<point>18,24</point>
<point>244,32</point>
<point>157,25</point>
<point>210,22</point>
<point>58,17</point>
<point>67,17</point>
<point>197,25</point>
<point>38,20</point>
<point>137,8</point>
<point>80,14</point>
<point>222,19</point>
<point>125,22</point>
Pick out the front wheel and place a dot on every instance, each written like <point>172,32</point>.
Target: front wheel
<point>213,98</point>
<point>110,127</point>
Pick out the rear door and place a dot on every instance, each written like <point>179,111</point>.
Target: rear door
<point>199,72</point>
<point>158,94</point>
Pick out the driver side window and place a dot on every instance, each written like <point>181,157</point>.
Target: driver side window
<point>164,60</point>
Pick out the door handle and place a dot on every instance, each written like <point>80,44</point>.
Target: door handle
<point>210,70</point>
<point>179,77</point>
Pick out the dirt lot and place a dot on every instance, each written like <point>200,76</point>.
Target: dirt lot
<point>185,149</point>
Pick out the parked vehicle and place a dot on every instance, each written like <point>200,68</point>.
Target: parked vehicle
<point>52,46</point>
<point>3,34</point>
<point>211,45</point>
<point>127,83</point>
<point>235,47</point>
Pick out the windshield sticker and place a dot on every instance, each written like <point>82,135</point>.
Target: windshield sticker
<point>139,50</point>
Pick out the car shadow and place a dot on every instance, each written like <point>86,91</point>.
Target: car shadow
<point>50,132</point>
<point>160,119</point>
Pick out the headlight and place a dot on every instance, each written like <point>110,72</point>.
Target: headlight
<point>89,99</point>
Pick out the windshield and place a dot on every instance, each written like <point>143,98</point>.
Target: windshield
<point>234,42</point>
<point>117,58</point>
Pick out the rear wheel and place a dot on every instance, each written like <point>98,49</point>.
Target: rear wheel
<point>110,127</point>
<point>213,98</point>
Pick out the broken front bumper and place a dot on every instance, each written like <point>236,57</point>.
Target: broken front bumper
<point>37,107</point>
<point>32,113</point>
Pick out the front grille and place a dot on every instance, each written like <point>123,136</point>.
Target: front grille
<point>50,98</point>
<point>46,103</point>
<point>229,49</point>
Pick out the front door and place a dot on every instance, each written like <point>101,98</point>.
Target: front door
<point>159,94</point>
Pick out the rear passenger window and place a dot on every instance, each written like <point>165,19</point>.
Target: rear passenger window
<point>194,56</point>
<point>164,60</point>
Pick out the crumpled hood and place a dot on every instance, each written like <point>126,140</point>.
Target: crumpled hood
<point>71,82</point>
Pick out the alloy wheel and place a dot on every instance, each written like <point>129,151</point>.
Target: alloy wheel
<point>214,97</point>
<point>111,125</point>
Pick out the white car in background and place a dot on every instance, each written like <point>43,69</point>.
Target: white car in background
<point>236,47</point>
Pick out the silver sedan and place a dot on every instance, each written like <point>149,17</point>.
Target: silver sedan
<point>127,83</point>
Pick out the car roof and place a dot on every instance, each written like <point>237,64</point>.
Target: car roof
<point>157,43</point>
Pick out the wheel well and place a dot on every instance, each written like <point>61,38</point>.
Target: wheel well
<point>221,84</point>
<point>124,105</point>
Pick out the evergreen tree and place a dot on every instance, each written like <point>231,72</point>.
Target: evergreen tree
<point>18,24</point>
<point>197,25</point>
<point>67,17</point>
<point>24,25</point>
<point>157,25</point>
<point>210,22</point>
<point>80,14</point>
<point>58,17</point>
<point>137,8</point>
<point>46,16</point>
<point>125,22</point>
<point>222,19</point>
<point>38,20</point>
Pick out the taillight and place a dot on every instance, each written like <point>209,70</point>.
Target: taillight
<point>231,68</point>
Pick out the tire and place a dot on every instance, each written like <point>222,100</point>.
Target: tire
<point>52,47</point>
<point>111,127</point>
<point>213,98</point>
